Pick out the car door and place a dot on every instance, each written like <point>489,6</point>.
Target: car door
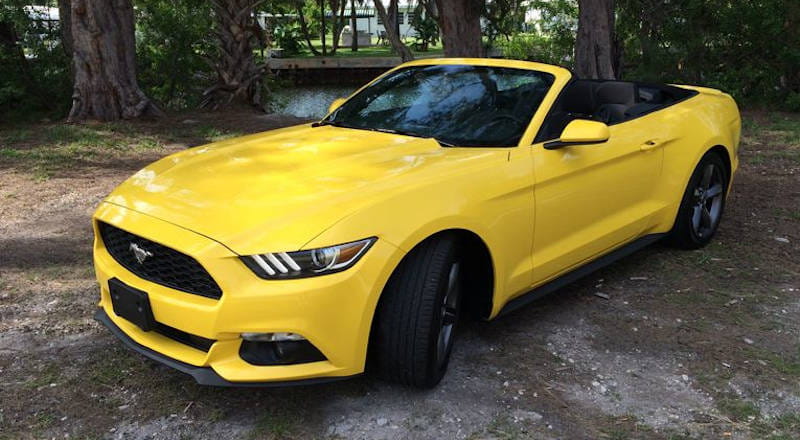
<point>592,198</point>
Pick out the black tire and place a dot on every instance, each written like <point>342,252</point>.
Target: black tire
<point>702,205</point>
<point>421,299</point>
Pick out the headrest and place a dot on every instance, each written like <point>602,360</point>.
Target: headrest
<point>578,97</point>
<point>616,92</point>
<point>657,97</point>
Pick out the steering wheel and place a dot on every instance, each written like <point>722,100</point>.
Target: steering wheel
<point>487,124</point>
<point>505,116</point>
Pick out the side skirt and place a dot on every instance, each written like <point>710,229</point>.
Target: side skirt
<point>571,277</point>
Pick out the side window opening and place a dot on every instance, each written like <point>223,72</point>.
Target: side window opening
<point>611,102</point>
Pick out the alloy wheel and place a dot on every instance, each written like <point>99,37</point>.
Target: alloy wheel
<point>449,313</point>
<point>708,195</point>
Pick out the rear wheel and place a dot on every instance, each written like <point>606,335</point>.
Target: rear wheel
<point>702,205</point>
<point>417,318</point>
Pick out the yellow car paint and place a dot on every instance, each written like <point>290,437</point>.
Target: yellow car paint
<point>582,131</point>
<point>539,212</point>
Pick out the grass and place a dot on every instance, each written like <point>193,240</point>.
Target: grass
<point>788,213</point>
<point>61,147</point>
<point>782,131</point>
<point>214,134</point>
<point>370,51</point>
<point>784,427</point>
<point>739,410</point>
<point>15,135</point>
<point>788,129</point>
<point>49,375</point>
<point>112,369</point>
<point>502,428</point>
<point>274,425</point>
<point>786,365</point>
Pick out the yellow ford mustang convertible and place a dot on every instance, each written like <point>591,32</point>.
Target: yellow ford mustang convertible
<point>443,188</point>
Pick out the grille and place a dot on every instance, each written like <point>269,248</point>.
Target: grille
<point>163,265</point>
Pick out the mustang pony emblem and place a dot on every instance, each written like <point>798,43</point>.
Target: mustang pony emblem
<point>140,253</point>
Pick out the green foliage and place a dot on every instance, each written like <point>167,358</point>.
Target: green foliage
<point>173,42</point>
<point>535,47</point>
<point>426,28</point>
<point>559,23</point>
<point>504,18</point>
<point>34,69</point>
<point>793,102</point>
<point>748,48</point>
<point>550,39</point>
<point>311,10</point>
<point>288,37</point>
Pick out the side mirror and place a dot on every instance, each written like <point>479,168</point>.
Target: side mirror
<point>336,104</point>
<point>581,132</point>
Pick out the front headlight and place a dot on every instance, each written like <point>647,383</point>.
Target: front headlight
<point>301,264</point>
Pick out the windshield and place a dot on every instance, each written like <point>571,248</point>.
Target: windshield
<point>459,105</point>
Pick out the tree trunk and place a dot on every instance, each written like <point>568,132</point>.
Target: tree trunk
<point>304,28</point>
<point>594,46</point>
<point>353,26</point>
<point>104,63</point>
<point>431,9</point>
<point>322,27</point>
<point>239,79</point>
<point>390,24</point>
<point>338,8</point>
<point>460,22</point>
<point>65,23</point>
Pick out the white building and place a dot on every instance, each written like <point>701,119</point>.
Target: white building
<point>368,20</point>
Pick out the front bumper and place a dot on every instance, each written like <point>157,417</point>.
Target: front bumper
<point>333,312</point>
<point>202,375</point>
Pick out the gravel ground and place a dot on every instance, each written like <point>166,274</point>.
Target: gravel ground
<point>699,344</point>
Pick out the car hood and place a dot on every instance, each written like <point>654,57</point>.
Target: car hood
<point>277,190</point>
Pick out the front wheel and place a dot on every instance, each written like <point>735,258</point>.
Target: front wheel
<point>418,314</point>
<point>702,205</point>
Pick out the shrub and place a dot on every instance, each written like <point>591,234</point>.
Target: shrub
<point>173,44</point>
<point>534,47</point>
<point>287,37</point>
<point>793,102</point>
<point>34,69</point>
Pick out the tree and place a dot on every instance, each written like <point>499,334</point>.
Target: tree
<point>65,22</point>
<point>353,26</point>
<point>173,49</point>
<point>594,46</point>
<point>304,28</point>
<point>104,63</point>
<point>239,79</point>
<point>425,26</point>
<point>390,23</point>
<point>504,18</point>
<point>337,21</point>
<point>13,51</point>
<point>460,21</point>
<point>323,30</point>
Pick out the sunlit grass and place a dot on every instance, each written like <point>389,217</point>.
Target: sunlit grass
<point>57,147</point>
<point>375,50</point>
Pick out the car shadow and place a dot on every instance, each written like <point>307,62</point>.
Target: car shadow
<point>485,357</point>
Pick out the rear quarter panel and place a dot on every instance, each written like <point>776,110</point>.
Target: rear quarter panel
<point>709,119</point>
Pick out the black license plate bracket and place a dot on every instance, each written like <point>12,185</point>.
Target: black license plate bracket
<point>131,304</point>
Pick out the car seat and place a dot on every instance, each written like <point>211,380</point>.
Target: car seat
<point>614,98</point>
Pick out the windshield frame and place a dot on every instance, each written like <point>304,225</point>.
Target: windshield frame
<point>553,81</point>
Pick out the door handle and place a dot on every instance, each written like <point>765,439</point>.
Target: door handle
<point>649,145</point>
